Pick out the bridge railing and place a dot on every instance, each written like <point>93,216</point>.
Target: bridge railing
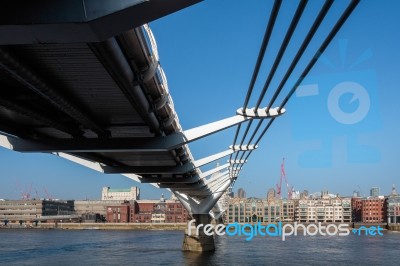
<point>151,41</point>
<point>161,81</point>
<point>159,75</point>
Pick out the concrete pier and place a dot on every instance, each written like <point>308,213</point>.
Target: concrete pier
<point>201,242</point>
<point>393,227</point>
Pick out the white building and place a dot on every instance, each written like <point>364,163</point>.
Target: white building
<point>253,210</point>
<point>120,194</point>
<point>326,208</point>
<point>374,192</point>
<point>393,207</point>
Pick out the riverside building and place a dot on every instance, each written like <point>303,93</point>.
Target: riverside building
<point>132,193</point>
<point>393,207</point>
<point>253,210</point>
<point>31,210</point>
<point>373,210</point>
<point>148,211</point>
<point>324,208</point>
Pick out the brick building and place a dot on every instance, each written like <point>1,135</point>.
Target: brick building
<point>159,211</point>
<point>148,211</point>
<point>356,206</point>
<point>369,210</point>
<point>374,210</point>
<point>119,213</point>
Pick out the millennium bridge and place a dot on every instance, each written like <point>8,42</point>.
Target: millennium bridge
<point>82,80</point>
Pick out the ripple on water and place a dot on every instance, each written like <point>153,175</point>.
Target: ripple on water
<point>90,247</point>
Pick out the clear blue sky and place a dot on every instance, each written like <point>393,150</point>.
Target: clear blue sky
<point>341,137</point>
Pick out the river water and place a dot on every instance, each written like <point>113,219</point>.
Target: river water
<point>108,247</point>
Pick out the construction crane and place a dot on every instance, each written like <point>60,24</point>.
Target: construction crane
<point>25,193</point>
<point>49,196</point>
<point>28,193</point>
<point>37,194</point>
<point>279,186</point>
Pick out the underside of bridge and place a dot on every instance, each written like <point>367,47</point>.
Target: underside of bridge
<point>84,82</point>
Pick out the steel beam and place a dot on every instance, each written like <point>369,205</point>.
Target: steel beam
<point>173,179</point>
<point>40,117</point>
<point>180,169</point>
<point>215,170</point>
<point>161,143</point>
<point>95,165</point>
<point>212,158</point>
<point>217,179</point>
<point>66,21</point>
<point>248,147</point>
<point>261,113</point>
<point>184,186</point>
<point>28,78</point>
<point>202,206</point>
<point>211,128</point>
<point>7,129</point>
<point>95,145</point>
<point>237,161</point>
<point>140,170</point>
<point>114,60</point>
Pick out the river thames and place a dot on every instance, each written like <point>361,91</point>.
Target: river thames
<point>109,247</point>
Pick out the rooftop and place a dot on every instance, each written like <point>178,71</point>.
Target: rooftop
<point>119,190</point>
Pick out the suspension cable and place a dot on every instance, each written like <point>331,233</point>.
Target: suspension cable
<point>263,48</point>
<point>285,43</point>
<point>302,49</point>
<point>282,49</point>
<point>325,44</point>
<point>346,14</point>
<point>322,48</point>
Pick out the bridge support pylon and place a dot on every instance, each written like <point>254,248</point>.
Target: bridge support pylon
<point>198,241</point>
<point>202,239</point>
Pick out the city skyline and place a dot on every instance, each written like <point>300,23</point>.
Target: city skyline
<point>208,61</point>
